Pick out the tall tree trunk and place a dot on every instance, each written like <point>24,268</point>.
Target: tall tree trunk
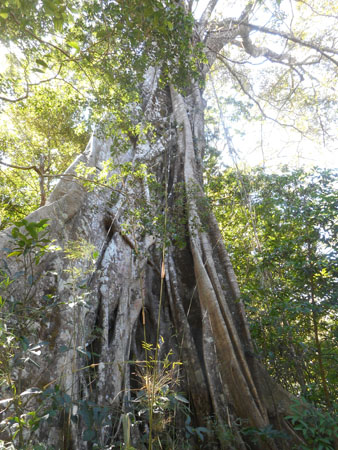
<point>144,287</point>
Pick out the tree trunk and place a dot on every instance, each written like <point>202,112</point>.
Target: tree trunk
<point>162,277</point>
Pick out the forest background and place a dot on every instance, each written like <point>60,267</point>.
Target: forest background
<point>72,70</point>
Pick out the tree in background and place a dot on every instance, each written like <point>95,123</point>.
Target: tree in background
<point>38,141</point>
<point>102,332</point>
<point>282,240</point>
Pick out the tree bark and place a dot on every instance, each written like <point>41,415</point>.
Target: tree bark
<point>94,334</point>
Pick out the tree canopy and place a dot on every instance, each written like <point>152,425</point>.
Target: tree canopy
<point>119,275</point>
<point>275,60</point>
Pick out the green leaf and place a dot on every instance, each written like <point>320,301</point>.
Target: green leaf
<point>180,398</point>
<point>43,223</point>
<point>41,62</point>
<point>58,24</point>
<point>74,44</point>
<point>63,349</point>
<point>15,253</point>
<point>50,7</point>
<point>3,15</point>
<point>200,431</point>
<point>31,228</point>
<point>85,414</point>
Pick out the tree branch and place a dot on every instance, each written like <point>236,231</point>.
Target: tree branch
<point>255,51</point>
<point>14,166</point>
<point>72,86</point>
<point>207,12</point>
<point>24,96</point>
<point>190,3</point>
<point>56,47</point>
<point>221,33</point>
<point>246,27</point>
<point>48,44</point>
<point>226,31</point>
<point>15,100</point>
<point>217,37</point>
<point>252,98</point>
<point>317,12</point>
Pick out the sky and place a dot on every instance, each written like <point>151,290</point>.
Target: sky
<point>264,143</point>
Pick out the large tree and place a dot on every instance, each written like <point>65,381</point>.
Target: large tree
<point>101,331</point>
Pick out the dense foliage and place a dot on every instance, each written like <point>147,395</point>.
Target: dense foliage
<point>77,66</point>
<point>70,67</point>
<point>281,231</point>
<point>102,48</point>
<point>38,141</point>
